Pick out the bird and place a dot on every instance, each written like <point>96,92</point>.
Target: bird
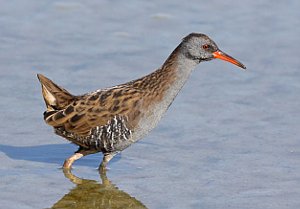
<point>109,120</point>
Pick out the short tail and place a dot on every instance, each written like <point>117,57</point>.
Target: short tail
<point>55,97</point>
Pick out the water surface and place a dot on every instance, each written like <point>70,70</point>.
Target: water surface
<point>230,139</point>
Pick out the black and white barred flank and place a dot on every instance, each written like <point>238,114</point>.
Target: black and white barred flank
<point>112,137</point>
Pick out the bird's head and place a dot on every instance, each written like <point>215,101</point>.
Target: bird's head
<point>200,47</point>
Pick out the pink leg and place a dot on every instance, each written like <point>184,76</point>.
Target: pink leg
<point>79,154</point>
<point>106,158</point>
<point>68,162</point>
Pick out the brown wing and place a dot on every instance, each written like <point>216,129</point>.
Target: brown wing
<point>96,109</point>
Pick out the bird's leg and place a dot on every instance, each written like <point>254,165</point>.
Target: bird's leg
<point>68,162</point>
<point>106,158</point>
<point>77,155</point>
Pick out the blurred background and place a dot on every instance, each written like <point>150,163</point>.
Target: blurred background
<point>230,139</point>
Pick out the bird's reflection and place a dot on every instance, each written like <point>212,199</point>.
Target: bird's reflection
<point>90,194</point>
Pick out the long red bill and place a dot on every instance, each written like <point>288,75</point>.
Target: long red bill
<point>221,55</point>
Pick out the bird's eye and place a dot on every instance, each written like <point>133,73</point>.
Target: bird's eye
<point>205,46</point>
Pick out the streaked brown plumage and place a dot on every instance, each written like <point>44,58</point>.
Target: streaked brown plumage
<point>109,120</point>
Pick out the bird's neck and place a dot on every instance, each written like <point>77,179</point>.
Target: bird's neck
<point>166,82</point>
<point>179,67</point>
<point>160,89</point>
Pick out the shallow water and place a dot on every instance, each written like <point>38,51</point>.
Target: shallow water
<point>230,139</point>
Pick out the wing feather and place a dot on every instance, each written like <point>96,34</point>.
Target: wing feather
<point>92,110</point>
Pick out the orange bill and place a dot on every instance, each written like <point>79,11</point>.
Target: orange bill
<point>221,55</point>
